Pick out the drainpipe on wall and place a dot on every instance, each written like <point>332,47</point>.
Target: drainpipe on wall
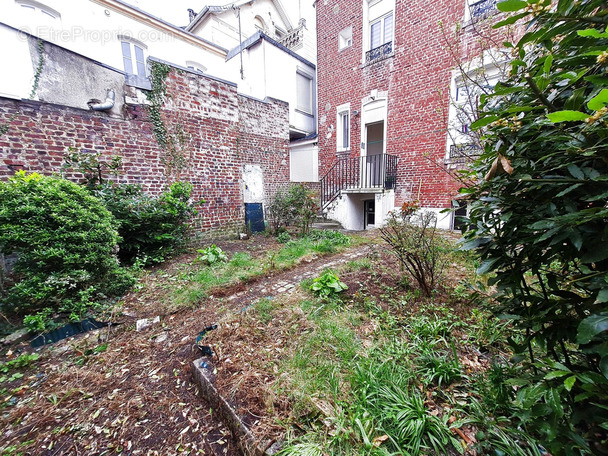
<point>96,105</point>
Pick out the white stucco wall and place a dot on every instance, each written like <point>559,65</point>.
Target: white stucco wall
<point>16,83</point>
<point>348,208</point>
<point>93,30</point>
<point>304,162</point>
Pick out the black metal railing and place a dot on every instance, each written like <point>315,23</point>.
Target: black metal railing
<point>369,172</point>
<point>482,8</point>
<point>379,52</point>
<point>464,152</point>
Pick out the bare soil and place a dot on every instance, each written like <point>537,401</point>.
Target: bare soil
<point>116,390</point>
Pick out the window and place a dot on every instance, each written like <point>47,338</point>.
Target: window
<point>39,8</point>
<point>195,66</point>
<point>133,58</point>
<point>343,128</point>
<point>304,93</point>
<point>381,31</point>
<point>345,38</point>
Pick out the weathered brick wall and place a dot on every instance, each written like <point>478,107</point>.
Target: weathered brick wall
<point>223,132</point>
<point>417,79</point>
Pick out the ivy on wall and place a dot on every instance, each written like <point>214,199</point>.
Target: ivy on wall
<point>168,128</point>
<point>6,125</point>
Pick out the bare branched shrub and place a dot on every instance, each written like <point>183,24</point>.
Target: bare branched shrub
<point>414,241</point>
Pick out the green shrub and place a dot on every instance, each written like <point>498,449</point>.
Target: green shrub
<point>297,205</point>
<point>284,237</point>
<point>537,218</point>
<point>151,228</point>
<point>65,241</point>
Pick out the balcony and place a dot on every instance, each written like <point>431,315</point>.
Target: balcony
<point>366,174</point>
<point>462,153</point>
<point>482,8</point>
<point>379,53</point>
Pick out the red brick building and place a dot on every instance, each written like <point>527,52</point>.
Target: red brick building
<point>384,82</point>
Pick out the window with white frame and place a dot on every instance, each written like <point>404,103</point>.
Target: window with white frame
<point>345,38</point>
<point>39,8</point>
<point>379,29</point>
<point>133,57</point>
<point>343,128</point>
<point>304,92</point>
<point>465,97</point>
<point>195,66</point>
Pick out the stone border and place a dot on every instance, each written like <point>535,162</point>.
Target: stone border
<point>246,441</point>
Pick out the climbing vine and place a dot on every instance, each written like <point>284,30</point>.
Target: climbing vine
<point>170,134</point>
<point>5,126</point>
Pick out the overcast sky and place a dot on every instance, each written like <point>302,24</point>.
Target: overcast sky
<point>176,11</point>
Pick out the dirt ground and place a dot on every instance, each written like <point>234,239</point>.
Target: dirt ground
<point>120,391</point>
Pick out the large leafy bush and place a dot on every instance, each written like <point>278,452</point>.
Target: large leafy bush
<point>150,228</point>
<point>65,241</point>
<point>538,219</point>
<point>295,205</point>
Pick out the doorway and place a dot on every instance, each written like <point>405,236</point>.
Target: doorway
<point>374,148</point>
<point>369,213</point>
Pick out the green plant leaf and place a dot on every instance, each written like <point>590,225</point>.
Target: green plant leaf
<point>591,327</point>
<point>598,101</point>
<point>483,122</point>
<point>566,116</point>
<point>510,20</point>
<point>511,5</point>
<point>569,382</point>
<point>592,33</point>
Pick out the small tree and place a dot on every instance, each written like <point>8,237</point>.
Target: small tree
<point>538,217</point>
<point>413,238</point>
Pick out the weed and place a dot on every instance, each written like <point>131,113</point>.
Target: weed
<point>264,308</point>
<point>211,255</point>
<point>20,362</point>
<point>439,367</point>
<point>328,285</point>
<point>284,237</point>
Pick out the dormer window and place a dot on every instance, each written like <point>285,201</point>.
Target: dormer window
<point>133,57</point>
<point>39,8</point>
<point>195,66</point>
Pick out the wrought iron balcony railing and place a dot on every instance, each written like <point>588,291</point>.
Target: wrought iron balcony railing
<point>464,152</point>
<point>369,172</point>
<point>482,8</point>
<point>379,52</point>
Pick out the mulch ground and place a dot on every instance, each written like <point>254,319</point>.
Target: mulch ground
<point>135,395</point>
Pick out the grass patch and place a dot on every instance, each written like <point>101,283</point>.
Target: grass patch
<point>202,280</point>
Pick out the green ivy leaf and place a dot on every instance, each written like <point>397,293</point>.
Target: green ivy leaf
<point>591,327</point>
<point>511,5</point>
<point>566,116</point>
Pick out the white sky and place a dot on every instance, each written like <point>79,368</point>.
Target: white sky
<point>176,11</point>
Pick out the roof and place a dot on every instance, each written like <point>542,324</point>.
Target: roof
<point>219,9</point>
<point>257,37</point>
<point>156,22</point>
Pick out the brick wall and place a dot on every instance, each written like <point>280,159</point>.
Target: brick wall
<point>224,131</point>
<point>417,79</point>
